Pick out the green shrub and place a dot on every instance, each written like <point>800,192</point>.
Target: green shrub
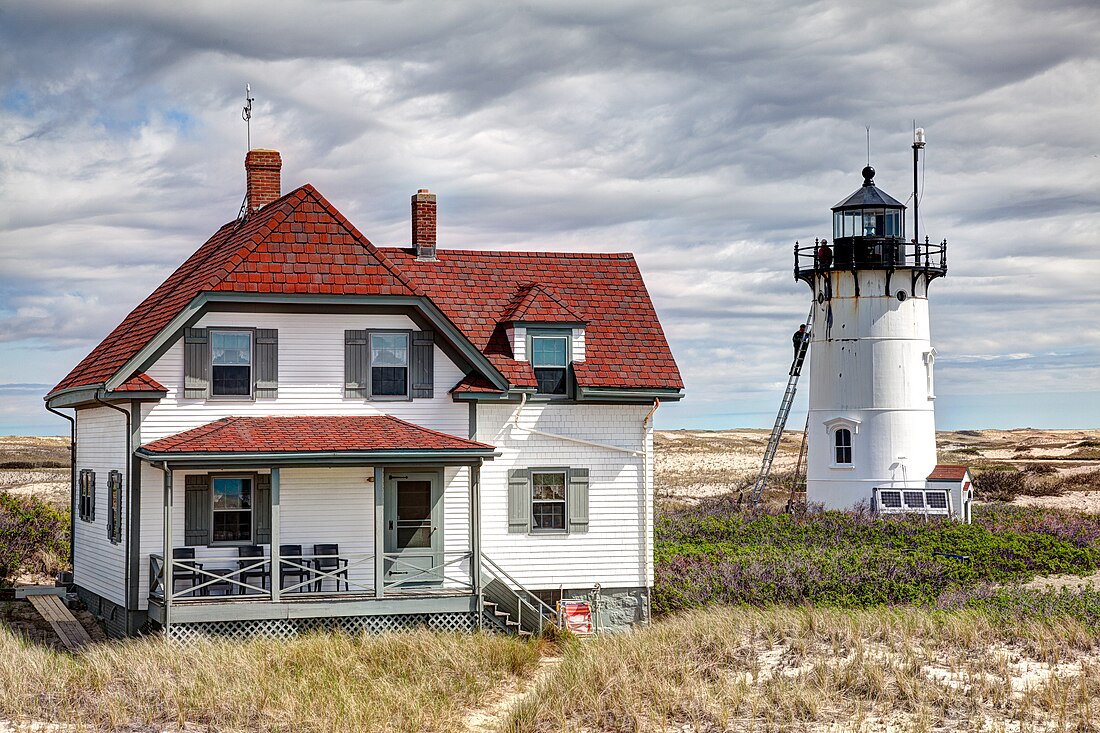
<point>34,537</point>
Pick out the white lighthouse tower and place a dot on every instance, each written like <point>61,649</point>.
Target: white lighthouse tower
<point>871,426</point>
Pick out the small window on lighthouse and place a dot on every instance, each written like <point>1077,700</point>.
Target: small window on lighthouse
<point>842,447</point>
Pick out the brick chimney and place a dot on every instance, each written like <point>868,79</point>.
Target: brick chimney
<point>263,172</point>
<point>423,224</point>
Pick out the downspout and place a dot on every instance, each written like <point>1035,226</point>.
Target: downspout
<point>648,496</point>
<point>126,526</point>
<point>72,482</point>
<point>644,454</point>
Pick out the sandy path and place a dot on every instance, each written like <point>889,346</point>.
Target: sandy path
<point>489,719</point>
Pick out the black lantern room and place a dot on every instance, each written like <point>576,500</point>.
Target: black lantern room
<point>869,234</point>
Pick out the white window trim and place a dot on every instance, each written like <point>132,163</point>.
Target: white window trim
<point>558,333</point>
<point>211,330</point>
<point>371,396</point>
<point>831,428</point>
<point>564,501</point>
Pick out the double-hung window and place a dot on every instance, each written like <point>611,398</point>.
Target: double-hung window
<point>86,495</point>
<point>550,360</point>
<point>389,365</point>
<point>232,508</point>
<point>842,447</point>
<point>548,501</point>
<point>231,363</point>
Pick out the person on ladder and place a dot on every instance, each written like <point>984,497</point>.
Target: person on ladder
<point>799,340</point>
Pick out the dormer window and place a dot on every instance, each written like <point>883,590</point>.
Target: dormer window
<point>550,358</point>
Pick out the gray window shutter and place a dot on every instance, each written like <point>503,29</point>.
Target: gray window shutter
<point>196,363</point>
<point>423,368</point>
<point>356,364</point>
<point>519,501</point>
<point>266,372</point>
<point>261,509</point>
<point>576,495</point>
<point>196,511</point>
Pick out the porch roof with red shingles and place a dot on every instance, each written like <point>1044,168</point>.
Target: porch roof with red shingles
<point>948,472</point>
<point>309,434</point>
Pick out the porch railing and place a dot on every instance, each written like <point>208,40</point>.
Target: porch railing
<point>255,578</point>
<point>446,567</point>
<point>531,612</point>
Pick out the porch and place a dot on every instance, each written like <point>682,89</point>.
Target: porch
<point>294,536</point>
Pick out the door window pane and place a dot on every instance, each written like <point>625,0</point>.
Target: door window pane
<point>414,514</point>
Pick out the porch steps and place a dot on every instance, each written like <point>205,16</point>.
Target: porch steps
<point>502,621</point>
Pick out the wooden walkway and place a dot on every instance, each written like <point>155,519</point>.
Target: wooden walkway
<point>68,629</point>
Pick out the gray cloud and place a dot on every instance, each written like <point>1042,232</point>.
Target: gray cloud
<point>706,138</point>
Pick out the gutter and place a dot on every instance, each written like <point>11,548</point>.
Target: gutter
<point>647,426</point>
<point>72,481</point>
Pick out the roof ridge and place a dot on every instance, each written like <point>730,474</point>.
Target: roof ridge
<point>376,252</point>
<point>526,252</point>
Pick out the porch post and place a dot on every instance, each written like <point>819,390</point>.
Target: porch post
<point>379,531</point>
<point>169,585</point>
<point>276,575</point>
<point>475,527</point>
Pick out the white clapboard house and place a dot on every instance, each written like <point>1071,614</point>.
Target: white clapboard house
<point>301,430</point>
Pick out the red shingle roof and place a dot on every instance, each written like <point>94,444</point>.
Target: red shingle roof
<point>948,472</point>
<point>296,244</point>
<point>301,244</point>
<point>358,434</point>
<point>538,304</point>
<point>625,346</point>
<point>141,382</point>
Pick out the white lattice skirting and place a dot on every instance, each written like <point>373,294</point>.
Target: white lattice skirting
<point>289,628</point>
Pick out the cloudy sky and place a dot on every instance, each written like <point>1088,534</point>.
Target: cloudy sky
<point>704,137</point>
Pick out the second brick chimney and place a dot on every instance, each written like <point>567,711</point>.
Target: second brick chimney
<point>263,169</point>
<point>423,224</point>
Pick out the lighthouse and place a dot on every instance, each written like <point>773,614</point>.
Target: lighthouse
<point>871,431</point>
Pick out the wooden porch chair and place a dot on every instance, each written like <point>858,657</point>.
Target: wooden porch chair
<point>249,554</point>
<point>286,570</point>
<point>326,559</point>
<point>187,570</point>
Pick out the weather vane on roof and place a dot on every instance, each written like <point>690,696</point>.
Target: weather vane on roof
<point>246,113</point>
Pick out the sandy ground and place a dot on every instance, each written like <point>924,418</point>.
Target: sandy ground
<point>693,464</point>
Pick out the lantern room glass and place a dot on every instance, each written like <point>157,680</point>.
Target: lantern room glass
<point>868,222</point>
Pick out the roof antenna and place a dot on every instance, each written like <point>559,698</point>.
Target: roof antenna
<point>868,128</point>
<point>246,113</point>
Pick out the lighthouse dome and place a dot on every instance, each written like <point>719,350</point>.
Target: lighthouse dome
<point>869,212</point>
